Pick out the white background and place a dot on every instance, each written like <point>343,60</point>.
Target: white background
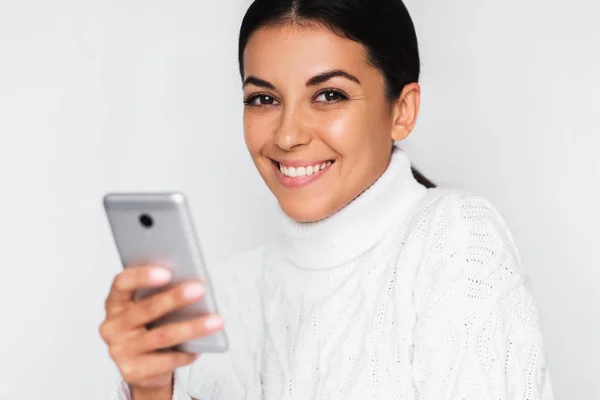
<point>99,96</point>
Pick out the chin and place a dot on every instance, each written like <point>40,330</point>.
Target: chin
<point>306,211</point>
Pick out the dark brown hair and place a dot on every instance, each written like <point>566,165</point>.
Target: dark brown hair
<point>383,27</point>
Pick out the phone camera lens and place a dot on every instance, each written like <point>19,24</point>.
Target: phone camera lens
<point>146,221</point>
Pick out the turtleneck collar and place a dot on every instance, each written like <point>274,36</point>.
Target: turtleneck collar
<point>359,225</point>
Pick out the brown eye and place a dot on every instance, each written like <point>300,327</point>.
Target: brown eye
<point>260,100</point>
<point>331,96</point>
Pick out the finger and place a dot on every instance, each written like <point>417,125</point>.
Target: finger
<point>160,304</point>
<point>131,279</point>
<point>147,366</point>
<point>116,329</point>
<point>169,335</point>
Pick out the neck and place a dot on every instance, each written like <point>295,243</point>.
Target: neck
<point>358,226</point>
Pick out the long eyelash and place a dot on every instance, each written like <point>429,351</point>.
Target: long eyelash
<point>336,91</point>
<point>248,100</point>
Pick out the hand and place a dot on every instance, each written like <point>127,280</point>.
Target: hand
<point>135,348</point>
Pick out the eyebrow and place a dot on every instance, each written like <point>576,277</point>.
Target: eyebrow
<point>253,80</point>
<point>325,76</point>
<point>315,80</point>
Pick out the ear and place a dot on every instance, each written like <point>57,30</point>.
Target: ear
<point>405,111</point>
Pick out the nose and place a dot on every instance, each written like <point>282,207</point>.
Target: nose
<point>291,132</point>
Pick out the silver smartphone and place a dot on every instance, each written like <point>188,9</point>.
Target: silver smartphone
<point>157,229</point>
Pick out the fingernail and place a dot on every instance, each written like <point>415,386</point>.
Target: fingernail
<point>193,291</point>
<point>213,322</point>
<point>160,275</point>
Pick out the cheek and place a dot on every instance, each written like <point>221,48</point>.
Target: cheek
<point>344,130</point>
<point>254,135</point>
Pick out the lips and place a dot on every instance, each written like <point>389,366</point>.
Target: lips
<point>298,174</point>
<point>301,171</point>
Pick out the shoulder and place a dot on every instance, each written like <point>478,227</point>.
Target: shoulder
<point>456,218</point>
<point>466,249</point>
<point>462,207</point>
<point>475,314</point>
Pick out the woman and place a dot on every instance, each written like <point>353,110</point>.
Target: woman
<point>381,285</point>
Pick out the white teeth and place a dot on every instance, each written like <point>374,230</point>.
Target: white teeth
<point>303,171</point>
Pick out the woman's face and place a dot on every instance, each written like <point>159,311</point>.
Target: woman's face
<point>316,120</point>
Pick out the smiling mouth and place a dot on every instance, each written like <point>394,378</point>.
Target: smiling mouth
<point>301,172</point>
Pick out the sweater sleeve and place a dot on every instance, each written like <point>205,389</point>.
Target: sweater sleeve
<point>478,333</point>
<point>180,383</point>
<point>234,375</point>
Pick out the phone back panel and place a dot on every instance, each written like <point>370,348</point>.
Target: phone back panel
<point>157,229</point>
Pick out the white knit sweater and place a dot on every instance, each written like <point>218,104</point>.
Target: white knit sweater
<point>406,293</point>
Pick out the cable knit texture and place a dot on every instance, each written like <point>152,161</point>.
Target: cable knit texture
<point>406,293</point>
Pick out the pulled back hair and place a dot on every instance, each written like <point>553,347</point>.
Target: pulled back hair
<point>383,27</point>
